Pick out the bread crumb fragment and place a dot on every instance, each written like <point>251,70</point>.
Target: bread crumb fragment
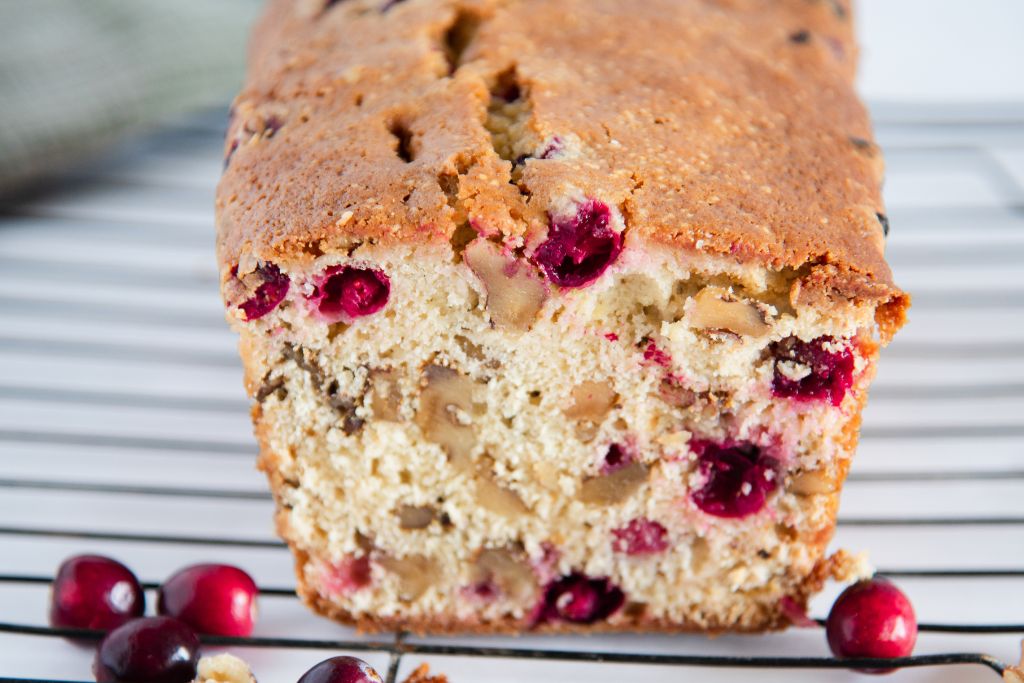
<point>223,668</point>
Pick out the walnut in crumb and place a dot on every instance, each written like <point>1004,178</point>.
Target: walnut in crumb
<point>223,668</point>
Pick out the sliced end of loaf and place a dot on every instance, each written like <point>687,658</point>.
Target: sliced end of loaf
<point>659,448</point>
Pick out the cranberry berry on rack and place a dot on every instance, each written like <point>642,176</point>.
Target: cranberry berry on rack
<point>151,650</point>
<point>872,619</point>
<point>341,670</point>
<point>92,591</point>
<point>216,599</point>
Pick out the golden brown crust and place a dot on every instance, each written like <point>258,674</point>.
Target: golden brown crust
<point>728,127</point>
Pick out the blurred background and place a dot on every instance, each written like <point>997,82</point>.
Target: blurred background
<point>77,74</point>
<point>124,427</point>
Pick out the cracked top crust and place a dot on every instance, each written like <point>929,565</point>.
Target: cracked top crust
<point>726,127</point>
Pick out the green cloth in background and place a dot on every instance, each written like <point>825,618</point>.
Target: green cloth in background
<point>74,74</point>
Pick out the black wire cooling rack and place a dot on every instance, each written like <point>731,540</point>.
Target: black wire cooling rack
<point>123,428</point>
<point>398,646</point>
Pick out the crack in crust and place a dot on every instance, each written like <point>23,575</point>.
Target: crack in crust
<point>721,176</point>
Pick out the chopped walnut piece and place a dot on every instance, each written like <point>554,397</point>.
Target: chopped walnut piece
<point>812,483</point>
<point>492,496</point>
<point>675,394</point>
<point>586,430</point>
<point>272,386</point>
<point>446,404</point>
<point>223,668</point>
<point>416,573</point>
<point>414,517</point>
<point>471,349</point>
<point>713,309</point>
<point>591,401</point>
<point>386,396</point>
<point>509,571</point>
<point>546,474</point>
<point>515,292</point>
<point>614,487</point>
<point>699,553</point>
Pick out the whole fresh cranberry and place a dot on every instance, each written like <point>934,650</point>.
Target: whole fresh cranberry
<point>92,591</point>
<point>872,619</point>
<point>341,670</point>
<point>820,369</point>
<point>151,650</point>
<point>348,292</point>
<point>217,599</point>
<point>738,478</point>
<point>641,536</point>
<point>579,248</point>
<point>579,599</point>
<point>268,295</point>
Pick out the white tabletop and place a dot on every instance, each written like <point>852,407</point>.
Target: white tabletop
<point>123,425</point>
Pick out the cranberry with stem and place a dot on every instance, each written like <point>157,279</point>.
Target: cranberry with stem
<point>872,619</point>
<point>341,670</point>
<point>149,650</point>
<point>216,599</point>
<point>95,592</point>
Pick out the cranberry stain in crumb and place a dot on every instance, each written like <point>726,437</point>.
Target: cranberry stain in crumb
<point>615,459</point>
<point>814,370</point>
<point>268,295</point>
<point>579,599</point>
<point>641,536</point>
<point>346,577</point>
<point>579,248</point>
<point>350,292</point>
<point>654,355</point>
<point>737,478</point>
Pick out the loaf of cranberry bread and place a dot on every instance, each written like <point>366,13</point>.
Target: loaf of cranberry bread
<point>556,314</point>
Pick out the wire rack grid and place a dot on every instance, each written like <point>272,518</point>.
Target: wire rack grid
<point>124,429</point>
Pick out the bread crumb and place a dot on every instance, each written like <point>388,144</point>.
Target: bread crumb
<point>422,675</point>
<point>223,668</point>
